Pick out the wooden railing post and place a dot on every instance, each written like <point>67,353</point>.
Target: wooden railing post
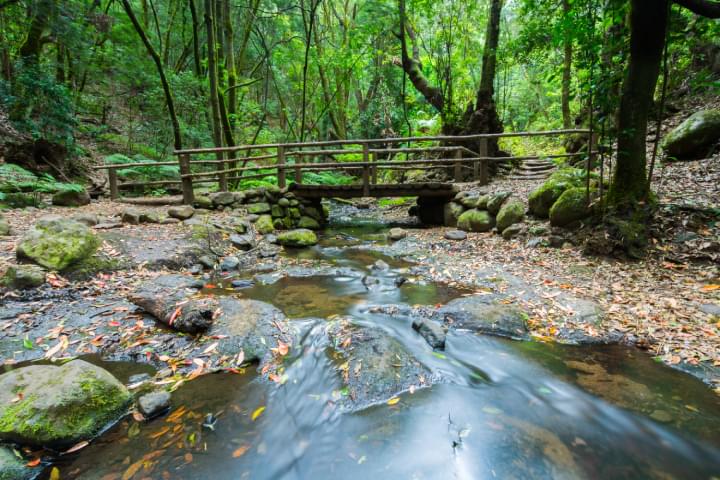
<point>298,170</point>
<point>187,183</point>
<point>482,165</point>
<point>458,166</point>
<point>112,176</point>
<point>222,177</point>
<point>281,167</point>
<point>374,171</point>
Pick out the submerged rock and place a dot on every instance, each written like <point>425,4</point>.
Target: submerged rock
<point>56,243</point>
<point>60,405</point>
<point>431,331</point>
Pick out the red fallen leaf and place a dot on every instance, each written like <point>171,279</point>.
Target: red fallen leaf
<point>240,451</point>
<point>34,462</point>
<point>174,316</point>
<point>210,286</point>
<point>114,323</point>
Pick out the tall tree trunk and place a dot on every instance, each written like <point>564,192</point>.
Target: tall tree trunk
<point>161,72</point>
<point>212,72</point>
<point>196,38</point>
<point>32,46</point>
<point>230,65</point>
<point>567,65</point>
<point>648,21</point>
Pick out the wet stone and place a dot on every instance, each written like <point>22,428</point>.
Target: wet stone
<point>431,331</point>
<point>456,235</point>
<point>239,284</point>
<point>154,404</point>
<point>207,261</point>
<point>242,242</point>
<point>396,234</point>
<point>229,263</point>
<point>477,314</point>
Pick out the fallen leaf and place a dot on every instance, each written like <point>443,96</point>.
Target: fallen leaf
<point>258,411</point>
<point>393,401</point>
<point>240,451</point>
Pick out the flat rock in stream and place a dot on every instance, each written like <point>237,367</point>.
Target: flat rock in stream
<point>477,314</point>
<point>158,253</point>
<point>374,366</point>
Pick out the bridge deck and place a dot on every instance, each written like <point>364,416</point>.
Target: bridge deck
<point>436,189</point>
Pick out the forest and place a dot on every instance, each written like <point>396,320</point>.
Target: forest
<point>288,239</point>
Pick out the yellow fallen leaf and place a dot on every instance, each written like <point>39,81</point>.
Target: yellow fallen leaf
<point>55,474</point>
<point>393,401</point>
<point>258,411</point>
<point>711,287</point>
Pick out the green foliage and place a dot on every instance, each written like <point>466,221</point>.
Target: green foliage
<point>14,178</point>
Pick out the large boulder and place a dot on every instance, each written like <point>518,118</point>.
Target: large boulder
<point>542,198</point>
<point>301,237</point>
<point>694,137</point>
<point>476,221</point>
<point>308,222</point>
<point>58,406</point>
<point>71,198</point>
<point>512,212</point>
<point>12,467</point>
<point>182,212</point>
<point>570,207</point>
<point>57,243</point>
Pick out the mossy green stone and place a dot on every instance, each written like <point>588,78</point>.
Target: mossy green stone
<point>264,224</point>
<point>511,213</point>
<point>277,211</point>
<point>294,213</point>
<point>476,221</point>
<point>56,243</point>
<point>71,198</point>
<point>694,136</point>
<point>308,222</point>
<point>451,213</point>
<point>4,227</point>
<point>259,208</point>
<point>542,198</point>
<point>570,207</point>
<point>203,202</point>
<point>301,237</point>
<point>313,212</point>
<point>61,405</point>
<point>23,276</point>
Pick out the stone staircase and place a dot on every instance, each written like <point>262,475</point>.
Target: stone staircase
<point>537,169</point>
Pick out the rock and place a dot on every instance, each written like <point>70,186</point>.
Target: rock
<point>203,202</point>
<point>711,309</point>
<point>56,243</point>
<point>139,378</point>
<point>695,137</point>
<point>381,265</point>
<point>71,198</point>
<point>108,225</point>
<point>380,366</point>
<point>451,213</point>
<point>284,202</point>
<point>242,242</point>
<point>181,212</point>
<point>512,212</point>
<point>259,208</point>
<point>169,221</point>
<point>229,263</point>
<point>542,198</point>
<point>369,281</point>
<point>297,238</point>
<point>4,227</point>
<point>150,217</point>
<point>535,242</point>
<point>271,238</point>
<point>512,231</point>
<point>476,221</point>
<point>570,207</point>
<point>315,213</point>
<point>431,331</point>
<point>308,222</point>
<point>396,234</point>
<point>88,219</point>
<point>474,313</point>
<point>24,276</point>
<point>12,467</point>
<point>456,235</point>
<point>60,406</point>
<point>131,217</point>
<point>264,224</point>
<point>268,252</point>
<point>538,230</point>
<point>475,201</point>
<point>556,241</point>
<point>222,199</point>
<point>207,261</point>
<point>238,284</point>
<point>496,201</point>
<point>154,404</point>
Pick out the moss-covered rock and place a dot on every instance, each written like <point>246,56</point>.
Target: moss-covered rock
<point>71,198</point>
<point>4,227</point>
<point>181,212</point>
<point>511,213</point>
<point>476,221</point>
<point>203,202</point>
<point>496,201</point>
<point>277,211</point>
<point>60,406</point>
<point>259,208</point>
<point>23,276</point>
<point>695,136</point>
<point>301,237</point>
<point>451,213</point>
<point>56,243</point>
<point>308,222</point>
<point>12,467</point>
<point>542,198</point>
<point>264,225</point>
<point>570,207</point>
<point>294,213</point>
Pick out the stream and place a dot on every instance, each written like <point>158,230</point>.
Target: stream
<point>497,409</point>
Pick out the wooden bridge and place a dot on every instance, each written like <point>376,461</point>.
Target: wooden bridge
<point>361,159</point>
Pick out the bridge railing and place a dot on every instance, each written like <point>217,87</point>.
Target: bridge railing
<point>369,156</point>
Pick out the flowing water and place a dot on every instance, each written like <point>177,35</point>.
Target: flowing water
<point>503,409</point>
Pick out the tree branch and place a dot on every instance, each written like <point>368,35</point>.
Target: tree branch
<point>706,8</point>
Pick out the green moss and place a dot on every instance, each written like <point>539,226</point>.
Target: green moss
<point>298,238</point>
<point>570,207</point>
<point>58,243</point>
<point>264,224</point>
<point>476,221</point>
<point>511,213</point>
<point>308,222</point>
